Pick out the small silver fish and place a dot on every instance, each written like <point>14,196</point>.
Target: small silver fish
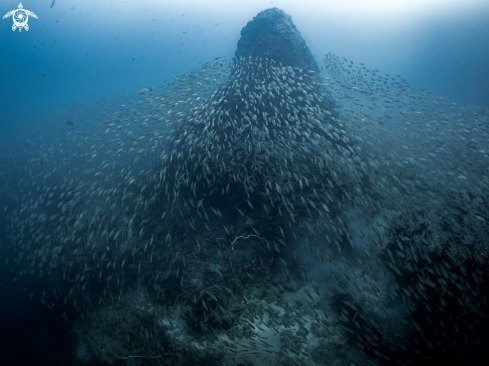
<point>144,90</point>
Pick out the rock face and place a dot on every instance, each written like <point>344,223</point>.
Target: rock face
<point>272,34</point>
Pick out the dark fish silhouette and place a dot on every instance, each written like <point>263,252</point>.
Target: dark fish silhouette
<point>69,123</point>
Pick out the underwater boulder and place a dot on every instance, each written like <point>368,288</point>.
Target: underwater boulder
<point>272,34</point>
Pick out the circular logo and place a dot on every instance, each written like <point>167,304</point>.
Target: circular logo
<point>20,18</point>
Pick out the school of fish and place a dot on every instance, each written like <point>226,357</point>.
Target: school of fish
<point>252,211</point>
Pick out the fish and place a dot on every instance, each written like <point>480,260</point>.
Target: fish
<point>69,123</point>
<point>144,90</point>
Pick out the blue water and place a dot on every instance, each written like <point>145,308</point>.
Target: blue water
<point>88,49</point>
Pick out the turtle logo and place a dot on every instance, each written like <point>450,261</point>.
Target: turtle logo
<point>20,17</point>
